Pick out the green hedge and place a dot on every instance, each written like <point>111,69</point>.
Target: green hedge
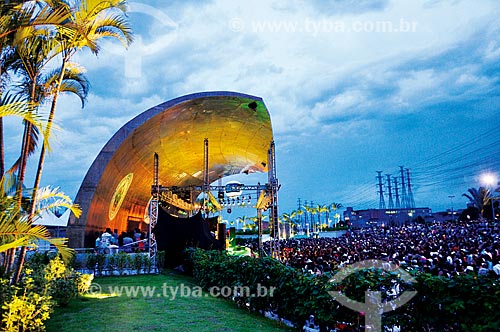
<point>464,303</point>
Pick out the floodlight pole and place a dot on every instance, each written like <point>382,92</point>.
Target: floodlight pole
<point>153,211</point>
<point>259,229</point>
<point>206,178</point>
<point>273,212</point>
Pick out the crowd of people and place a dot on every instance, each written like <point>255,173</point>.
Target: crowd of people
<point>444,249</point>
<point>109,241</point>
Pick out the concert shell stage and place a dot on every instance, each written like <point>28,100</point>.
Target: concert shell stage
<point>117,188</point>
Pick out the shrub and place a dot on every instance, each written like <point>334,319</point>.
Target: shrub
<point>91,262</point>
<point>46,281</point>
<point>83,282</point>
<point>28,310</point>
<point>101,262</point>
<point>465,303</point>
<point>63,290</point>
<point>160,260</point>
<point>6,293</point>
<point>137,262</point>
<point>121,260</point>
<point>148,264</point>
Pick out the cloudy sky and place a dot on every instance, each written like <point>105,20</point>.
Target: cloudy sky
<point>353,87</point>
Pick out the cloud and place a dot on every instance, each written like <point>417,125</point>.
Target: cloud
<point>323,82</point>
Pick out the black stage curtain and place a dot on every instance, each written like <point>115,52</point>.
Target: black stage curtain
<point>173,235</point>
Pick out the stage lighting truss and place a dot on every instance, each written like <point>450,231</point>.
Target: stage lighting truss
<point>177,197</point>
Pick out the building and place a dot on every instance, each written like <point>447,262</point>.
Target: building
<point>385,217</point>
<point>390,217</point>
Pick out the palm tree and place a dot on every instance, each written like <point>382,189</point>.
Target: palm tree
<point>308,214</point>
<point>321,209</point>
<point>313,211</point>
<point>90,21</point>
<point>17,19</point>
<point>19,109</point>
<point>31,56</point>
<point>85,23</point>
<point>74,82</point>
<point>478,197</point>
<point>242,220</point>
<point>252,224</point>
<point>335,207</point>
<point>294,221</point>
<point>16,15</point>
<point>31,49</point>
<point>286,218</point>
<point>17,230</point>
<point>299,213</point>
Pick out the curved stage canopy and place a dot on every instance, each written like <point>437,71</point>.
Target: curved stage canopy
<point>117,188</point>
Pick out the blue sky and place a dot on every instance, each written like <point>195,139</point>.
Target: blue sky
<point>353,87</point>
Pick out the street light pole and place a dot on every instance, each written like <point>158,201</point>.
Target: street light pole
<point>452,212</point>
<point>490,179</point>
<point>493,217</point>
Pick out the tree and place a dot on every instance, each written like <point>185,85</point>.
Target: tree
<point>19,109</point>
<point>17,230</point>
<point>15,17</point>
<point>321,209</point>
<point>286,218</point>
<point>76,83</point>
<point>31,56</point>
<point>335,207</point>
<point>293,220</point>
<point>299,213</point>
<point>36,31</point>
<point>243,221</point>
<point>89,21</point>
<point>308,217</point>
<point>471,213</point>
<point>478,198</point>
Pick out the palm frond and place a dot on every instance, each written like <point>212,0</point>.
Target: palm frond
<point>22,110</point>
<point>48,198</point>
<point>33,142</point>
<point>114,25</point>
<point>25,16</point>
<point>96,19</point>
<point>74,81</point>
<point>18,231</point>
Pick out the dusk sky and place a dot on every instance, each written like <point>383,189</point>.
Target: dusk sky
<point>352,86</point>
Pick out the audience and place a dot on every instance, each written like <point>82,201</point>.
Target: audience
<point>444,249</point>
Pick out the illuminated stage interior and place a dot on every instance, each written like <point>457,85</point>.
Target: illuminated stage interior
<point>117,188</point>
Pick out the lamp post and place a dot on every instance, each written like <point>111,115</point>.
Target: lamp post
<point>452,212</point>
<point>490,179</point>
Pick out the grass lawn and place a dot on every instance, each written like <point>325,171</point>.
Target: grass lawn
<point>157,311</point>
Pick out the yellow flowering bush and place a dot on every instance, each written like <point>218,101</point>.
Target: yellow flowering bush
<point>46,282</point>
<point>27,311</point>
